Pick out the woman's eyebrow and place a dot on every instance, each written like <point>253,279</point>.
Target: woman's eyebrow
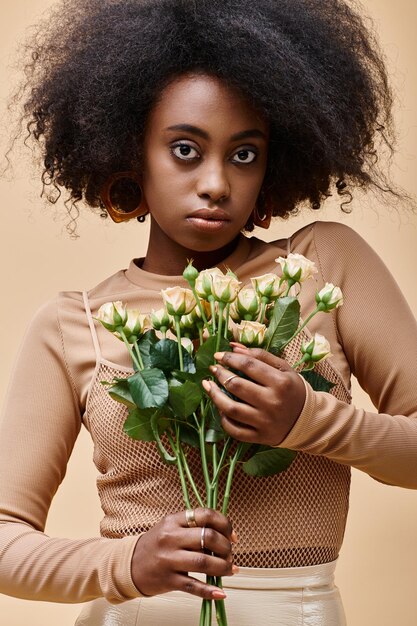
<point>195,130</point>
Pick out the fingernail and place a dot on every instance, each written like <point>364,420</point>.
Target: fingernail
<point>235,569</point>
<point>234,537</point>
<point>206,384</point>
<point>218,356</point>
<point>236,344</point>
<point>213,368</point>
<point>218,594</point>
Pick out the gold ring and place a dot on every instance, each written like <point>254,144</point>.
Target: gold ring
<point>203,533</point>
<point>190,518</point>
<point>229,379</point>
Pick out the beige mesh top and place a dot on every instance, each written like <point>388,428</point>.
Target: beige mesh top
<point>56,387</point>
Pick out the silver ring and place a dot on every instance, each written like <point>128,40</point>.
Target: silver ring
<point>224,383</point>
<point>190,518</point>
<point>203,533</point>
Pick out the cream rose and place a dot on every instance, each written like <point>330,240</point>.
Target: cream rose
<point>224,288</point>
<point>160,320</point>
<point>247,305</point>
<point>250,333</point>
<point>268,286</point>
<point>329,297</point>
<point>204,281</point>
<point>317,349</point>
<point>296,268</point>
<point>178,300</point>
<point>112,315</point>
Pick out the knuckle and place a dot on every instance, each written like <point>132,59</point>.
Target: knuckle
<point>200,562</point>
<point>233,412</point>
<point>210,535</point>
<point>165,536</point>
<point>249,363</point>
<point>189,586</point>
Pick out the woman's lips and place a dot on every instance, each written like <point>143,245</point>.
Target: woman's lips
<point>208,219</point>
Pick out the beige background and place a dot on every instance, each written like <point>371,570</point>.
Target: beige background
<point>377,572</point>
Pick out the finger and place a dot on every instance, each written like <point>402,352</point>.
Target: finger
<point>256,369</point>
<point>205,563</point>
<point>215,542</point>
<point>188,584</point>
<point>262,355</point>
<point>209,518</point>
<point>239,412</point>
<point>239,431</point>
<point>242,388</point>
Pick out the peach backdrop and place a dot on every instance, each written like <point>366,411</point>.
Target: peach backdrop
<point>377,571</point>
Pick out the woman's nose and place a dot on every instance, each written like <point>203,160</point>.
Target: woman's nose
<point>213,183</point>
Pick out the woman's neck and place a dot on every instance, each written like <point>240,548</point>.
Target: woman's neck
<point>167,258</point>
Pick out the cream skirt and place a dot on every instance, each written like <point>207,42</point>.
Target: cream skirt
<point>299,596</point>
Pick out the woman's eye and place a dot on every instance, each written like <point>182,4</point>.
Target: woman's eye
<point>244,156</point>
<point>185,152</point>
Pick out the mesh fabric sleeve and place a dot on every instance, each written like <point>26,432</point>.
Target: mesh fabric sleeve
<point>40,423</point>
<point>379,336</point>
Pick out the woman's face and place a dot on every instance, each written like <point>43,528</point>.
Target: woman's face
<point>205,155</point>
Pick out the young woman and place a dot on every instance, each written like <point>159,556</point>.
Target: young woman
<point>210,117</point>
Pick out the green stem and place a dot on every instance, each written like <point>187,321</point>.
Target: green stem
<point>232,468</point>
<point>222,460</point>
<point>226,326</point>
<point>291,283</point>
<point>202,433</point>
<point>264,304</point>
<point>178,333</point>
<point>219,329</point>
<point>200,306</point>
<point>203,613</point>
<point>190,477</point>
<point>214,484</point>
<point>220,608</point>
<point>138,354</point>
<point>139,366</point>
<point>213,314</point>
<point>180,469</point>
<point>303,325</point>
<point>200,334</point>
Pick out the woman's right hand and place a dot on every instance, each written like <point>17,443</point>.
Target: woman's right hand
<point>165,554</point>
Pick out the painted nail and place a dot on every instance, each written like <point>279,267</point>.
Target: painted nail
<point>234,537</point>
<point>235,569</point>
<point>218,356</point>
<point>236,344</point>
<point>218,594</point>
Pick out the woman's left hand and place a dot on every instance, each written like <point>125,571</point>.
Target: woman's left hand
<point>273,397</point>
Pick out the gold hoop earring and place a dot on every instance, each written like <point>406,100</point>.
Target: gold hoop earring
<point>264,220</point>
<point>122,196</point>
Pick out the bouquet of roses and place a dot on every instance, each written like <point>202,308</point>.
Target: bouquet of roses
<point>172,350</point>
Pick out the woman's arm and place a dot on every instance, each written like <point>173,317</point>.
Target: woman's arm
<point>379,337</point>
<point>40,423</point>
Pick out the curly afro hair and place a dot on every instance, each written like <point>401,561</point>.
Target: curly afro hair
<point>312,67</point>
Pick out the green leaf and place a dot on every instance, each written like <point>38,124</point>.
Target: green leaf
<point>269,462</point>
<point>283,324</point>
<point>185,399</point>
<point>165,455</point>
<point>138,424</point>
<point>149,388</point>
<point>204,355</point>
<point>121,393</point>
<point>215,432</point>
<point>164,355</point>
<point>317,381</point>
<point>189,435</point>
<point>145,345</point>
